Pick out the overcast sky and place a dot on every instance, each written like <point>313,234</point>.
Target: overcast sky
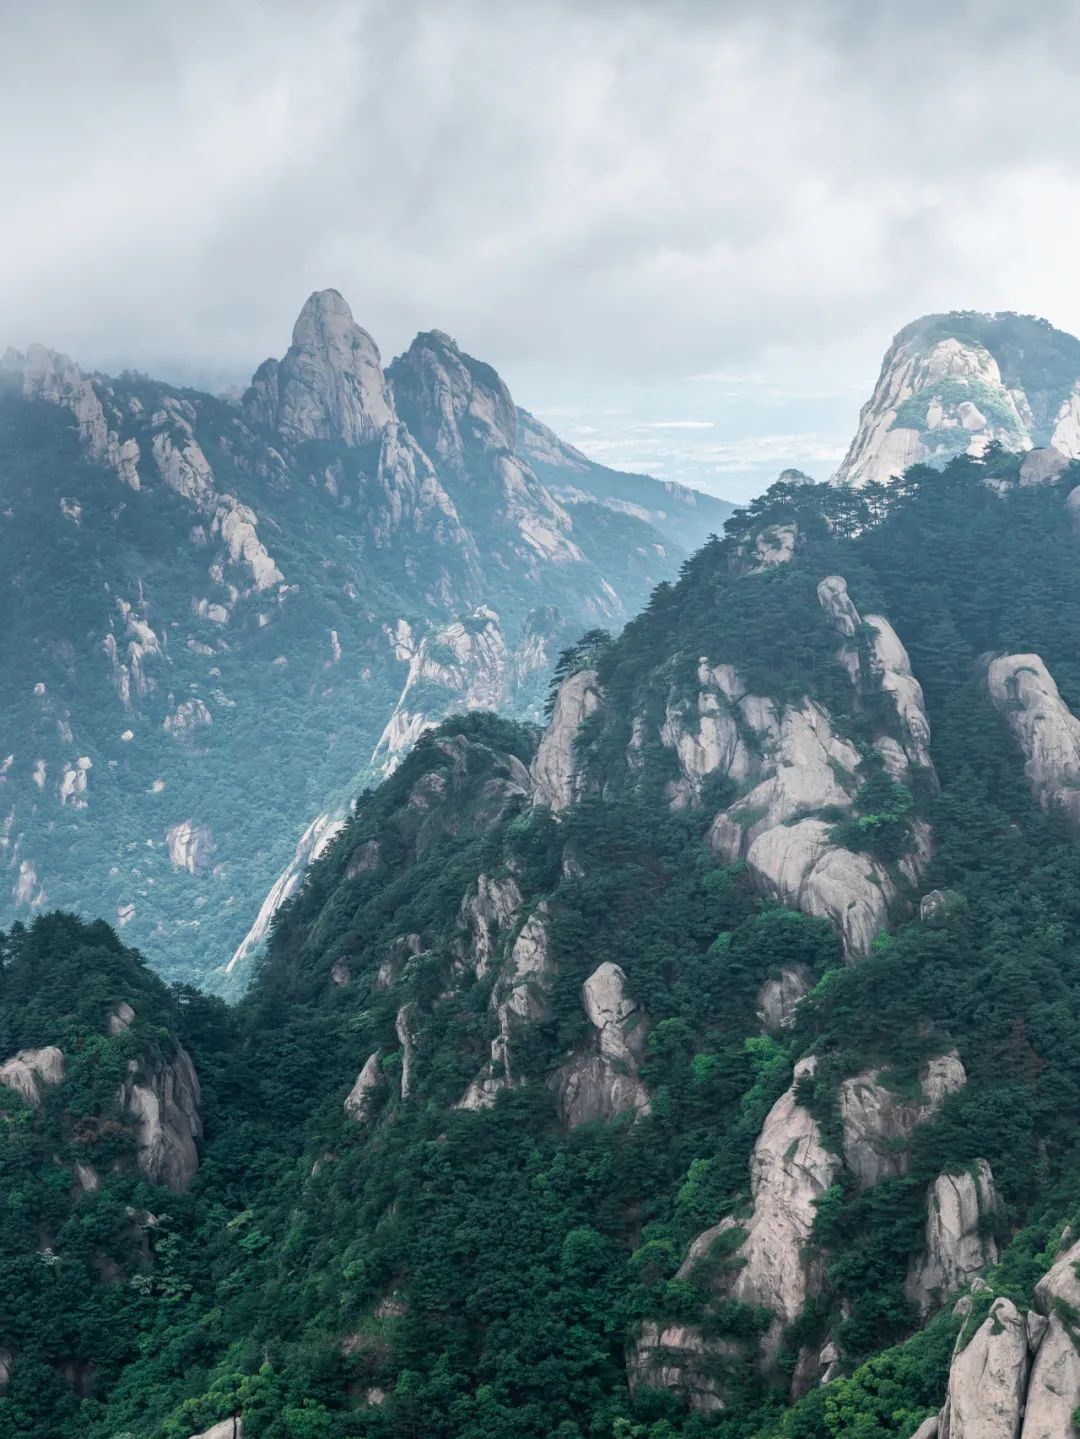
<point>683,232</point>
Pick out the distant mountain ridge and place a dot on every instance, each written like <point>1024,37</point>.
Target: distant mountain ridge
<point>225,617</point>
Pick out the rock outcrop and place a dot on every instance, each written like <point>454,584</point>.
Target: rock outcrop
<point>603,1081</point>
<point>554,771</point>
<point>988,1379</point>
<point>190,846</point>
<point>314,841</point>
<point>30,1069</point>
<point>792,765</point>
<point>1048,733</point>
<point>469,660</point>
<point>680,1358</point>
<point>1054,1387</point>
<point>360,1100</point>
<point>232,1428</point>
<point>160,1098</point>
<point>957,1246</point>
<point>462,414</point>
<point>520,995</point>
<point>486,917</point>
<point>779,997</point>
<point>773,1267</point>
<point>878,1123</point>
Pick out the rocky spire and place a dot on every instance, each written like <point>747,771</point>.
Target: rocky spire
<point>330,384</point>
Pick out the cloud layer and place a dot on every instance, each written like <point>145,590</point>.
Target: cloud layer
<point>585,194</point>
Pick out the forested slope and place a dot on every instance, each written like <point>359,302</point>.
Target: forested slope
<point>668,1072</point>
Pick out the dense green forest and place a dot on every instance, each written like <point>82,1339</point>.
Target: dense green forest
<point>415,1266</point>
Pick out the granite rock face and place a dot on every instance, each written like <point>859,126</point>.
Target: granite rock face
<point>988,1379</point>
<point>878,1124</point>
<point>603,1081</point>
<point>161,1098</point>
<point>554,771</point>
<point>330,384</point>
<point>957,1246</point>
<point>1046,730</point>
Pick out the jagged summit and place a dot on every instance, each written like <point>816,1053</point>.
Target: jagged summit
<point>956,383</point>
<point>329,385</point>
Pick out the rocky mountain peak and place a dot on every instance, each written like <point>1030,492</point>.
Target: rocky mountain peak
<point>954,384</point>
<point>451,401</point>
<point>330,385</point>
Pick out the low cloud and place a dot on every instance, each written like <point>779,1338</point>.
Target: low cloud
<point>584,194</point>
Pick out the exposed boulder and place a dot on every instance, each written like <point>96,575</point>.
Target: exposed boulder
<point>1053,1392</point>
<point>800,866</point>
<point>360,1099</point>
<point>988,1379</point>
<point>120,1020</point>
<point>878,1123</point>
<point>554,772</point>
<point>940,905</point>
<point>834,599</point>
<point>232,1428</point>
<point>406,1029</point>
<point>1047,732</point>
<point>1043,465</point>
<point>190,846</point>
<point>778,998</point>
<point>604,1081</point>
<point>716,743</point>
<point>161,1098</point>
<point>956,1247</point>
<point>29,1069</point>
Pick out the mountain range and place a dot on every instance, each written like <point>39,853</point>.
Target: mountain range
<point>224,617</point>
<point>704,1064</point>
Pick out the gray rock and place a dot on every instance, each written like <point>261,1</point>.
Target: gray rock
<point>988,1379</point>
<point>330,385</point>
<point>554,773</point>
<point>1053,1392</point>
<point>778,999</point>
<point>603,1081</point>
<point>1042,465</point>
<point>1048,734</point>
<point>834,599</point>
<point>914,370</point>
<point>360,1099</point>
<point>955,1248</point>
<point>937,906</point>
<point>161,1098</point>
<point>406,1028</point>
<point>680,1358</point>
<point>789,1171</point>
<point>29,1069</point>
<point>878,1123</point>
